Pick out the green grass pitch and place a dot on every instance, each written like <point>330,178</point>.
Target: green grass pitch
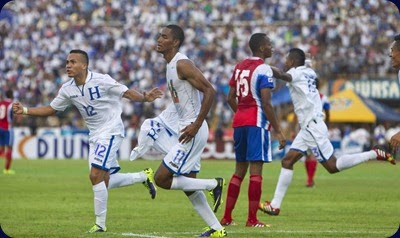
<point>53,198</point>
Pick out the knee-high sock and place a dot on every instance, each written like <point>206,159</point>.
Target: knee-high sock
<point>192,184</point>
<point>232,196</point>
<point>8,159</point>
<point>120,179</point>
<point>285,178</point>
<point>311,167</point>
<point>351,160</point>
<point>200,204</point>
<point>100,203</point>
<point>254,195</point>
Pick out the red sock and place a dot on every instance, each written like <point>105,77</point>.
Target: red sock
<point>8,160</point>
<point>311,167</point>
<point>232,196</point>
<point>254,194</point>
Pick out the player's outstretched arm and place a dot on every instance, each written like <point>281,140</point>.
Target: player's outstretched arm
<point>43,111</point>
<point>395,141</point>
<point>279,74</point>
<point>149,96</point>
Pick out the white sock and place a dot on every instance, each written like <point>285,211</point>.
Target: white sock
<point>348,161</point>
<point>100,203</point>
<point>201,206</point>
<point>192,184</point>
<point>125,179</point>
<point>285,178</point>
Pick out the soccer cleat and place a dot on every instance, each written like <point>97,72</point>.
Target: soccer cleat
<point>257,224</point>
<point>310,185</point>
<point>8,171</point>
<point>381,154</point>
<point>267,208</point>
<point>96,228</point>
<point>214,233</point>
<point>149,182</point>
<point>216,193</point>
<point>226,222</point>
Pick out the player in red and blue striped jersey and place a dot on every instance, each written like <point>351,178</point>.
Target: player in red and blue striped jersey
<point>250,98</point>
<point>6,137</point>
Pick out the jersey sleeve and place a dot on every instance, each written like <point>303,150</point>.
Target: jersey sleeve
<point>232,81</point>
<point>114,87</point>
<point>265,77</point>
<point>61,101</point>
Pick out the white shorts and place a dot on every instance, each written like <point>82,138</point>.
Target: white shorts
<point>154,133</point>
<point>315,138</point>
<point>185,158</point>
<point>103,153</point>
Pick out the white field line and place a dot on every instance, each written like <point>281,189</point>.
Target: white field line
<point>255,233</point>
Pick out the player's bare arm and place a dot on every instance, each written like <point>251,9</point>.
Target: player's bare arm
<point>19,109</point>
<point>395,141</point>
<point>188,71</point>
<point>270,113</point>
<point>281,75</point>
<point>232,101</point>
<point>149,96</point>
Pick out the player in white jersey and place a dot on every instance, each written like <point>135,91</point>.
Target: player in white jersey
<point>313,134</point>
<point>179,167</point>
<point>395,56</point>
<point>98,99</point>
<point>160,133</point>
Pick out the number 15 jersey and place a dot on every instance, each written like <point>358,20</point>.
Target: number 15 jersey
<point>249,77</point>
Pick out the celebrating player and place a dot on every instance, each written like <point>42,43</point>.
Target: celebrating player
<point>395,56</point>
<point>180,166</point>
<point>313,134</point>
<point>97,97</point>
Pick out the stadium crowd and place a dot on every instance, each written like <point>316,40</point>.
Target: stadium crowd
<point>346,38</point>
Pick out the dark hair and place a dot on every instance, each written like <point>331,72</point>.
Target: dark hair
<point>9,94</point>
<point>85,55</point>
<point>256,41</point>
<point>177,33</point>
<point>298,56</point>
<point>397,37</point>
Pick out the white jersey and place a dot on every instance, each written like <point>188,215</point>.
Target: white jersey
<point>98,101</point>
<point>169,118</point>
<point>186,98</point>
<point>305,96</point>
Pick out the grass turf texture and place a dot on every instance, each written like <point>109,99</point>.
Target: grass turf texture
<point>53,198</point>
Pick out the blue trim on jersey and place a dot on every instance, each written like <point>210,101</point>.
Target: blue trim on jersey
<point>265,81</point>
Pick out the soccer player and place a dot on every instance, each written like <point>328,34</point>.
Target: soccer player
<point>313,134</point>
<point>395,56</point>
<point>160,133</point>
<point>6,138</point>
<point>179,167</point>
<point>250,98</point>
<point>310,160</point>
<point>98,99</point>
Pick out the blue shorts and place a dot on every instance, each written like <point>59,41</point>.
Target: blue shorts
<point>5,137</point>
<point>252,144</point>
